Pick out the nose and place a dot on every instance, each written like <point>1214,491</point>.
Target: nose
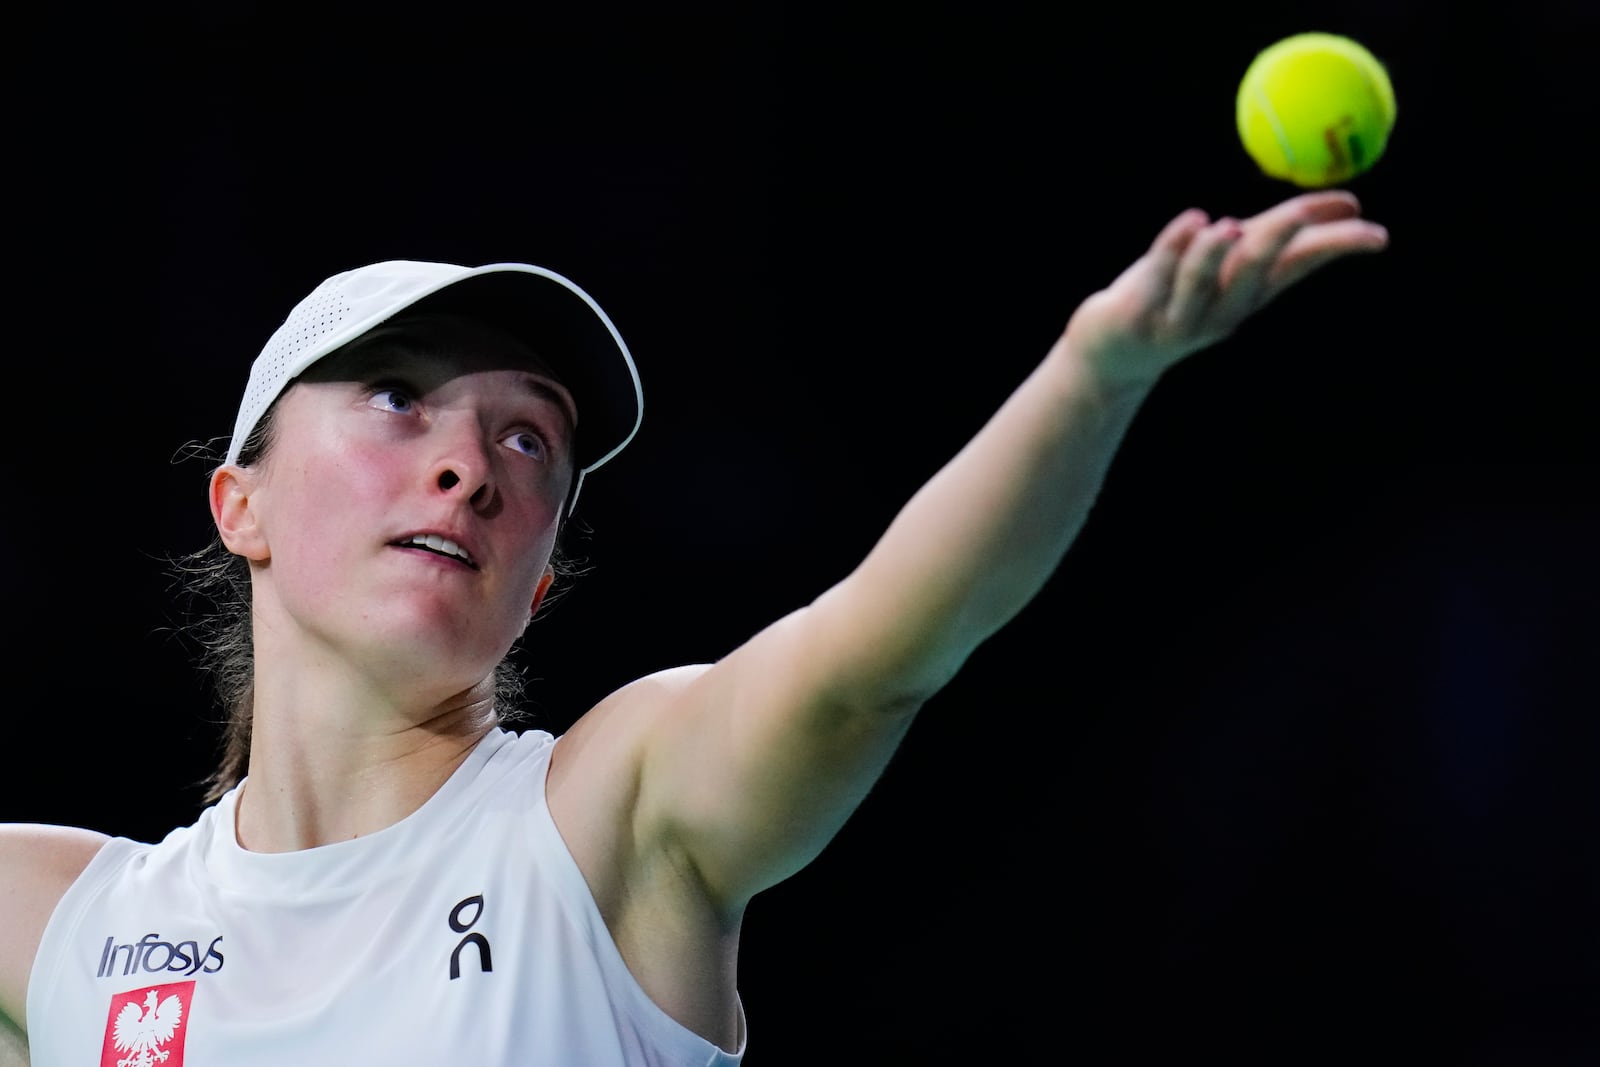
<point>463,466</point>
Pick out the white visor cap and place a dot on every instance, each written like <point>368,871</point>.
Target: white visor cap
<point>556,319</point>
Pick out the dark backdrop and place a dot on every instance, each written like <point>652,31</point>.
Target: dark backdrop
<point>1291,760</point>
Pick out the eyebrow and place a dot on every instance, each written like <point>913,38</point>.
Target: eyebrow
<point>543,390</point>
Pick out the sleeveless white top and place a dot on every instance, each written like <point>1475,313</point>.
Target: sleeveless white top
<point>463,934</point>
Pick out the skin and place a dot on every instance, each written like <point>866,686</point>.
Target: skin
<point>687,792</point>
<point>386,650</point>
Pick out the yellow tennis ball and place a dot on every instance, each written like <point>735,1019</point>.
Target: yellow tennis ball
<point>1315,109</point>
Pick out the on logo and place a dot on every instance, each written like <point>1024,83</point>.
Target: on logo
<point>461,927</point>
<point>147,1026</point>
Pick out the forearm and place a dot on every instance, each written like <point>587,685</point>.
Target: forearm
<point>984,534</point>
<point>980,539</point>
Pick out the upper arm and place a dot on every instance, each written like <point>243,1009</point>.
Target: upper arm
<point>39,863</point>
<point>754,763</point>
<point>748,768</point>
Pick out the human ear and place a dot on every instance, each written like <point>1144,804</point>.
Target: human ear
<point>236,521</point>
<point>543,588</point>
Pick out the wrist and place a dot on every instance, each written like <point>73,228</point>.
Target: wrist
<point>1098,376</point>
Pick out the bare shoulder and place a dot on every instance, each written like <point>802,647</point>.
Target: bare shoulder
<point>659,920</point>
<point>38,863</point>
<point>604,741</point>
<point>594,769</point>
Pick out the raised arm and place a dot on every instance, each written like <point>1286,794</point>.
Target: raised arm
<point>759,759</point>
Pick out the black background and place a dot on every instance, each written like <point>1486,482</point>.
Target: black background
<point>1292,760</point>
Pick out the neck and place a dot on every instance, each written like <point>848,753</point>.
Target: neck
<point>317,777</point>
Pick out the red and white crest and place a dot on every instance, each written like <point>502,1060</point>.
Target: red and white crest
<point>146,1026</point>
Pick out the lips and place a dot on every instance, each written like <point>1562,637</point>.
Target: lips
<point>440,545</point>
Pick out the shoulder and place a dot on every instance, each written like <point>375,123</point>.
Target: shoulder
<point>48,849</point>
<point>610,732</point>
<point>39,863</point>
<point>594,767</point>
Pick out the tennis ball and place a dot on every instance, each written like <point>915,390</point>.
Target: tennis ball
<point>1315,109</point>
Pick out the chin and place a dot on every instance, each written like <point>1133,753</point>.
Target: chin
<point>433,653</point>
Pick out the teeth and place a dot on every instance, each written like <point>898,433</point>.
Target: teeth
<point>439,544</point>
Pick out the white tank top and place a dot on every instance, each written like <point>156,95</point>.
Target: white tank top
<point>463,935</point>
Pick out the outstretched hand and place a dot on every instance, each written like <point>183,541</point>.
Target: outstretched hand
<point>1202,278</point>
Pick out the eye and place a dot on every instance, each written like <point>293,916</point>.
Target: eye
<point>529,444</point>
<point>393,398</point>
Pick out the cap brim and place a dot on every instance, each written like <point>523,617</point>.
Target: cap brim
<point>570,334</point>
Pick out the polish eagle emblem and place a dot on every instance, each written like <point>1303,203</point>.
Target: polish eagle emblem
<point>140,1031</point>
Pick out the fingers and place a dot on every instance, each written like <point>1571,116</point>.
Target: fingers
<point>1314,247</point>
<point>1202,277</point>
<point>1194,287</point>
<point>1323,205</point>
<point>1168,249</point>
<point>1244,279</point>
<point>1190,252</point>
<point>1287,242</point>
<point>1176,235</point>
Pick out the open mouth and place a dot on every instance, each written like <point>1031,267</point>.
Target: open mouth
<point>442,546</point>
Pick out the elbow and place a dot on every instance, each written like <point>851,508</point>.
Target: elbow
<point>896,690</point>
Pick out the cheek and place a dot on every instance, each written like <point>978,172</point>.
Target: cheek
<point>533,552</point>
<point>533,508</point>
<point>330,504</point>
